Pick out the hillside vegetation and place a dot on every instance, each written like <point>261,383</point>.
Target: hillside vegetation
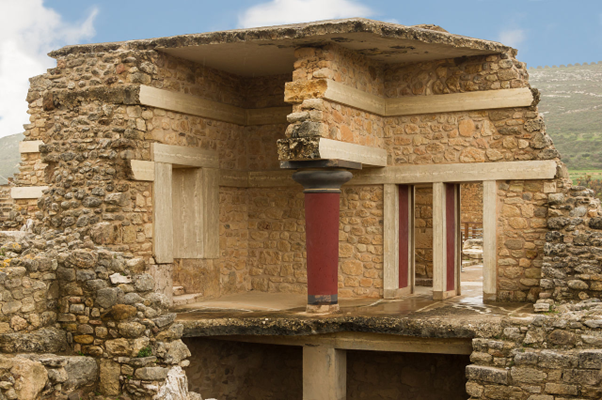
<point>571,101</point>
<point>9,156</point>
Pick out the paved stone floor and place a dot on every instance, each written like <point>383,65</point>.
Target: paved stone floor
<point>250,308</point>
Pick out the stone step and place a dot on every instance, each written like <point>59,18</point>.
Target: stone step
<point>184,299</point>
<point>178,290</point>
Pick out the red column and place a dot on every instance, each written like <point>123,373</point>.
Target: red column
<point>322,243</point>
<point>322,195</point>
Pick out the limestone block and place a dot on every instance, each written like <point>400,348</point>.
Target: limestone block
<point>487,374</point>
<point>109,377</point>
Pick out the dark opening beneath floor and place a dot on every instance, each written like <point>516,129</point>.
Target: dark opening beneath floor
<point>400,376</point>
<point>227,370</point>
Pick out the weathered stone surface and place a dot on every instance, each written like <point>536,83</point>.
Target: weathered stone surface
<point>151,373</point>
<point>175,386</point>
<point>118,347</point>
<point>164,319</point>
<point>81,371</point>
<point>107,297</point>
<point>31,376</point>
<point>122,311</point>
<point>487,374</point>
<point>176,352</point>
<point>130,329</point>
<point>109,378</point>
<point>46,340</point>
<point>58,375</point>
<point>590,359</point>
<point>144,282</point>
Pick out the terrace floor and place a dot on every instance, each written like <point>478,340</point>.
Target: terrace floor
<point>258,313</point>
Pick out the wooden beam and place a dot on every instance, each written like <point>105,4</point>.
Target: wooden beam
<point>194,105</point>
<point>268,116</point>
<point>468,101</point>
<point>412,105</point>
<point>27,192</point>
<point>188,104</point>
<point>234,178</point>
<point>410,174</point>
<point>343,94</point>
<point>184,156</point>
<point>469,172</point>
<point>143,170</point>
<point>366,155</point>
<point>363,341</point>
<point>30,146</point>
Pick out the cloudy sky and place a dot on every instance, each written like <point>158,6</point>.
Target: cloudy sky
<point>546,32</point>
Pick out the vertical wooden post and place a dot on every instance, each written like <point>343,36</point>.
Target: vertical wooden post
<point>163,224</point>
<point>398,274</point>
<point>446,232</point>
<point>489,240</point>
<point>391,241</point>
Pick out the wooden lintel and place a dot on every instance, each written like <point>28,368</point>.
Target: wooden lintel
<point>469,172</point>
<point>469,101</point>
<point>366,155</point>
<point>267,116</point>
<point>185,156</point>
<point>413,105</point>
<point>407,174</point>
<point>352,97</point>
<point>364,341</point>
<point>194,105</point>
<point>30,146</point>
<point>27,192</point>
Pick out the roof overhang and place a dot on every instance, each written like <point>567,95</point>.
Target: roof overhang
<point>270,50</point>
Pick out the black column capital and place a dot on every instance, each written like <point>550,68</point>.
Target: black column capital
<point>322,180</point>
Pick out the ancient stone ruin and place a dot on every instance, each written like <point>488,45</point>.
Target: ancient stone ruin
<point>279,213</point>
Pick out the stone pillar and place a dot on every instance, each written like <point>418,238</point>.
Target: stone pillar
<point>322,195</point>
<point>324,373</point>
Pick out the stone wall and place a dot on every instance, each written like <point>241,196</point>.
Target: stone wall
<point>571,269</point>
<point>63,295</point>
<point>500,71</point>
<point>423,229</point>
<point>471,199</point>
<point>550,356</point>
<point>318,117</point>
<point>6,206</point>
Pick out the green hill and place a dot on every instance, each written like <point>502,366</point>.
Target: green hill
<point>9,156</point>
<point>571,101</point>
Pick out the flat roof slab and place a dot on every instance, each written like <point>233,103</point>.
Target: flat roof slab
<point>270,50</point>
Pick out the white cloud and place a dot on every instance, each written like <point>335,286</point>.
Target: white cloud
<point>277,12</point>
<point>512,37</point>
<point>29,30</point>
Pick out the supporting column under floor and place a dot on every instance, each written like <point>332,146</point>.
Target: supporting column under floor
<point>324,373</point>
